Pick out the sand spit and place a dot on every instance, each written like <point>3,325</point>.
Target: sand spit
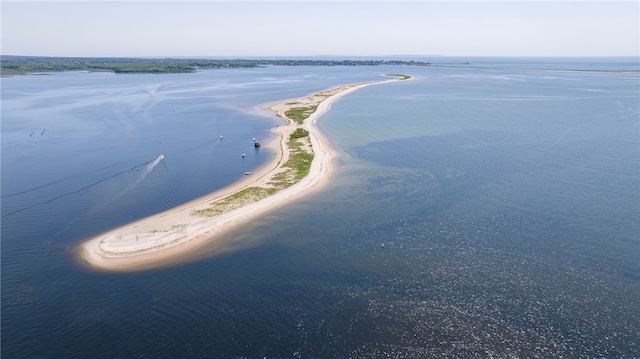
<point>161,238</point>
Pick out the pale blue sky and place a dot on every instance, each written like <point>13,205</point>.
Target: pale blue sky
<point>308,28</point>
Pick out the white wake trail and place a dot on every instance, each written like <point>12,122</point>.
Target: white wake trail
<point>150,167</point>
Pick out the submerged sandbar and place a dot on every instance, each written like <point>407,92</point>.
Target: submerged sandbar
<point>302,164</point>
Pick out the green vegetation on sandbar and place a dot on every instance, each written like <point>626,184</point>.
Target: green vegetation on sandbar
<point>299,133</point>
<point>236,200</point>
<point>299,159</point>
<point>299,163</point>
<point>299,114</point>
<point>296,168</point>
<point>401,76</point>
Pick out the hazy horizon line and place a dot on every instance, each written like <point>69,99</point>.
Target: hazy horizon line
<point>343,57</point>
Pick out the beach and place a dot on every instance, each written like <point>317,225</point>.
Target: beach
<point>159,239</point>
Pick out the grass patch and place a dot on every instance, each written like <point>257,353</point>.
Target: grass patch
<point>299,114</point>
<point>299,133</point>
<point>299,160</point>
<point>294,145</point>
<point>236,200</point>
<point>300,163</point>
<point>283,179</point>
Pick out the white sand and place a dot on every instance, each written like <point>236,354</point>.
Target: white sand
<point>159,239</point>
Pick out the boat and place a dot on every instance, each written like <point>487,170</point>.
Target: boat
<point>247,173</point>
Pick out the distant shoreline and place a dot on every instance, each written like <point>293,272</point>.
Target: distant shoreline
<point>471,66</point>
<point>12,65</point>
<point>21,65</point>
<point>162,238</point>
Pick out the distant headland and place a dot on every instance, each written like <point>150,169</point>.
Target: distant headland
<point>19,65</point>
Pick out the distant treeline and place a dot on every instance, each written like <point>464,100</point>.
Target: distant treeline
<point>12,65</point>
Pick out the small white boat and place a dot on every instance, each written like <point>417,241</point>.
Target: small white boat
<point>247,173</point>
<point>242,154</point>
<point>221,136</point>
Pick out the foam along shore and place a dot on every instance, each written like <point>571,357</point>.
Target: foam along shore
<point>175,233</point>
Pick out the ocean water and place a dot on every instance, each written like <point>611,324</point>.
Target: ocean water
<point>473,213</point>
<point>622,63</point>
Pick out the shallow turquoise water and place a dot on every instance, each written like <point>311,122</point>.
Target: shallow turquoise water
<point>473,212</point>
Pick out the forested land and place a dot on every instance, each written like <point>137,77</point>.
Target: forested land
<point>14,65</point>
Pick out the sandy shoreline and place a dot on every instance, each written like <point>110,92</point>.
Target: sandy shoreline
<point>155,240</point>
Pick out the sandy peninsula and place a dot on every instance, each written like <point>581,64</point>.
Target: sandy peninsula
<point>159,239</point>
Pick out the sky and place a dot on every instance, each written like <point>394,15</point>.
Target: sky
<point>318,28</point>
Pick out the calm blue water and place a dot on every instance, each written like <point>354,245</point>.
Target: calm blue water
<point>507,202</point>
<point>624,63</point>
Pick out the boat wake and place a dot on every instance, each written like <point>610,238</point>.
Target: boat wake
<point>149,168</point>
